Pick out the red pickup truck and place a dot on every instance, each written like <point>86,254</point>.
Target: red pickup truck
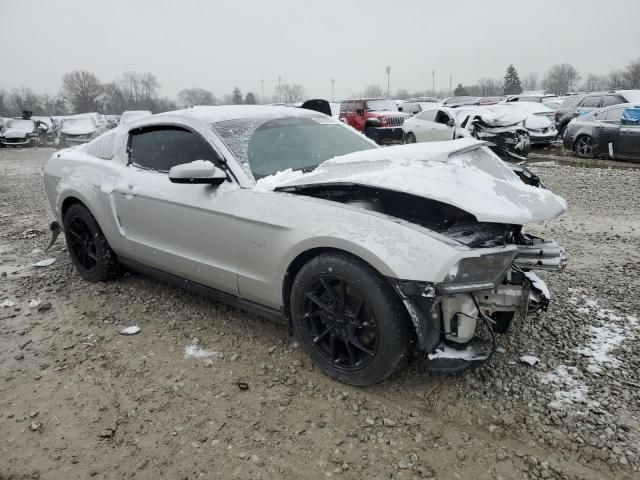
<point>378,118</point>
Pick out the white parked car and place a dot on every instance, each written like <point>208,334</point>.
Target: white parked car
<point>289,213</point>
<point>505,131</point>
<point>80,129</point>
<point>131,115</point>
<point>540,121</point>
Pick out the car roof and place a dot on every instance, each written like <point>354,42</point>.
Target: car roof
<point>213,114</point>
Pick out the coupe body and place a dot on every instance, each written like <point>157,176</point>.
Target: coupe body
<point>366,251</point>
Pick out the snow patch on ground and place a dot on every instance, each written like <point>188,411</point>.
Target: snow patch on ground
<point>195,351</point>
<point>570,389</point>
<point>468,354</point>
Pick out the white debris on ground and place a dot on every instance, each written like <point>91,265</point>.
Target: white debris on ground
<point>44,263</point>
<point>7,303</point>
<point>34,303</point>
<point>529,359</point>
<point>195,351</point>
<point>132,330</point>
<point>468,354</point>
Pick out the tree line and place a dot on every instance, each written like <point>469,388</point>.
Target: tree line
<point>82,91</point>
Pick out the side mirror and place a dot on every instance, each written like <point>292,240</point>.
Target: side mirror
<point>200,171</point>
<point>450,123</point>
<point>359,111</point>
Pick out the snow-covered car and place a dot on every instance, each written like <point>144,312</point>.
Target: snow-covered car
<point>540,120</point>
<point>131,115</point>
<point>17,132</point>
<point>438,123</point>
<point>366,251</point>
<point>80,129</point>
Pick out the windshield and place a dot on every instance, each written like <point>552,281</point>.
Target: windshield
<point>381,105</point>
<point>20,124</point>
<point>78,123</point>
<point>632,96</point>
<point>267,145</point>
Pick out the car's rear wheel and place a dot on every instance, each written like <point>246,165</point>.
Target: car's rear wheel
<point>584,147</point>
<point>349,319</point>
<point>409,138</point>
<point>89,250</point>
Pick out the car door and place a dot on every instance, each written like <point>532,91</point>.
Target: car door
<point>629,147</point>
<point>442,129</point>
<point>606,132</point>
<point>423,126</point>
<point>358,115</point>
<point>183,229</point>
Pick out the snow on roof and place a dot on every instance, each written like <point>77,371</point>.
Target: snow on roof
<point>221,113</point>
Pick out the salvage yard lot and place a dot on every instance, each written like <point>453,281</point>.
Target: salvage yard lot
<point>206,391</point>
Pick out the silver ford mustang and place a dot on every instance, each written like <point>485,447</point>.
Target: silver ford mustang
<point>368,252</point>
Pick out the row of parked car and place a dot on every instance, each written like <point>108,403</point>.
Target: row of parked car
<point>594,124</point>
<point>62,131</point>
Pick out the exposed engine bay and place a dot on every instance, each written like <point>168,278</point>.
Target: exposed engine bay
<point>456,321</point>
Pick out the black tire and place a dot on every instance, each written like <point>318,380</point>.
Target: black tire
<point>584,147</point>
<point>360,340</point>
<point>410,138</point>
<point>372,133</point>
<point>88,248</point>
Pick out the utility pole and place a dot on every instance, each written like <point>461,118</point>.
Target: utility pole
<point>433,83</point>
<point>280,87</point>
<point>262,89</point>
<point>333,81</point>
<point>388,82</point>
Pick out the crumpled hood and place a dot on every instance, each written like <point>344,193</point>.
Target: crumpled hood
<point>77,130</point>
<point>537,121</point>
<point>461,173</point>
<point>17,132</point>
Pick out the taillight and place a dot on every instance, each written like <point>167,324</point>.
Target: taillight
<point>383,121</point>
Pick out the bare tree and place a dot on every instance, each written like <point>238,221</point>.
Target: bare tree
<point>616,80</point>
<point>402,94</point>
<point>4,108</point>
<point>632,74</point>
<point>489,86</point>
<point>561,79</point>
<point>372,91</point>
<point>25,99</point>
<point>196,96</point>
<point>81,90</point>
<point>530,81</point>
<point>289,93</point>
<point>113,99</point>
<point>594,83</point>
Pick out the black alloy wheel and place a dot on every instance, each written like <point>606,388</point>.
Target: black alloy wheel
<point>341,322</point>
<point>349,319</point>
<point>584,146</point>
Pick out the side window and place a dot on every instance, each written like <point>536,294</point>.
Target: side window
<point>350,106</point>
<point>428,116</point>
<point>591,101</point>
<point>611,100</point>
<point>343,108</point>
<point>160,148</point>
<point>613,115</point>
<point>442,117</point>
<point>358,106</point>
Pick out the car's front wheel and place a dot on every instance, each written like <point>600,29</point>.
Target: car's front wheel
<point>349,319</point>
<point>89,250</point>
<point>409,138</point>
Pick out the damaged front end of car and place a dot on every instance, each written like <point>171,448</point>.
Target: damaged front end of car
<point>457,320</point>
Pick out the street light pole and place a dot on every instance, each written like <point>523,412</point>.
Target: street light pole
<point>333,81</point>
<point>388,81</point>
<point>433,83</point>
<point>280,88</point>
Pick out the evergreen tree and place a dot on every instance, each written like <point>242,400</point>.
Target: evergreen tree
<point>236,98</point>
<point>460,91</point>
<point>511,84</point>
<point>250,99</point>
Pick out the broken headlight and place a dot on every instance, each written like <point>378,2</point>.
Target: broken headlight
<point>477,273</point>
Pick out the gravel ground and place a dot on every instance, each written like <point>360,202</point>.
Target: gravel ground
<point>206,391</point>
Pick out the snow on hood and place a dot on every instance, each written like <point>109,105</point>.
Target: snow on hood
<point>17,132</point>
<point>79,130</point>
<point>491,118</point>
<point>461,173</point>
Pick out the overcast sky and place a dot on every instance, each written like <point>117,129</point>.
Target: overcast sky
<point>218,45</point>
